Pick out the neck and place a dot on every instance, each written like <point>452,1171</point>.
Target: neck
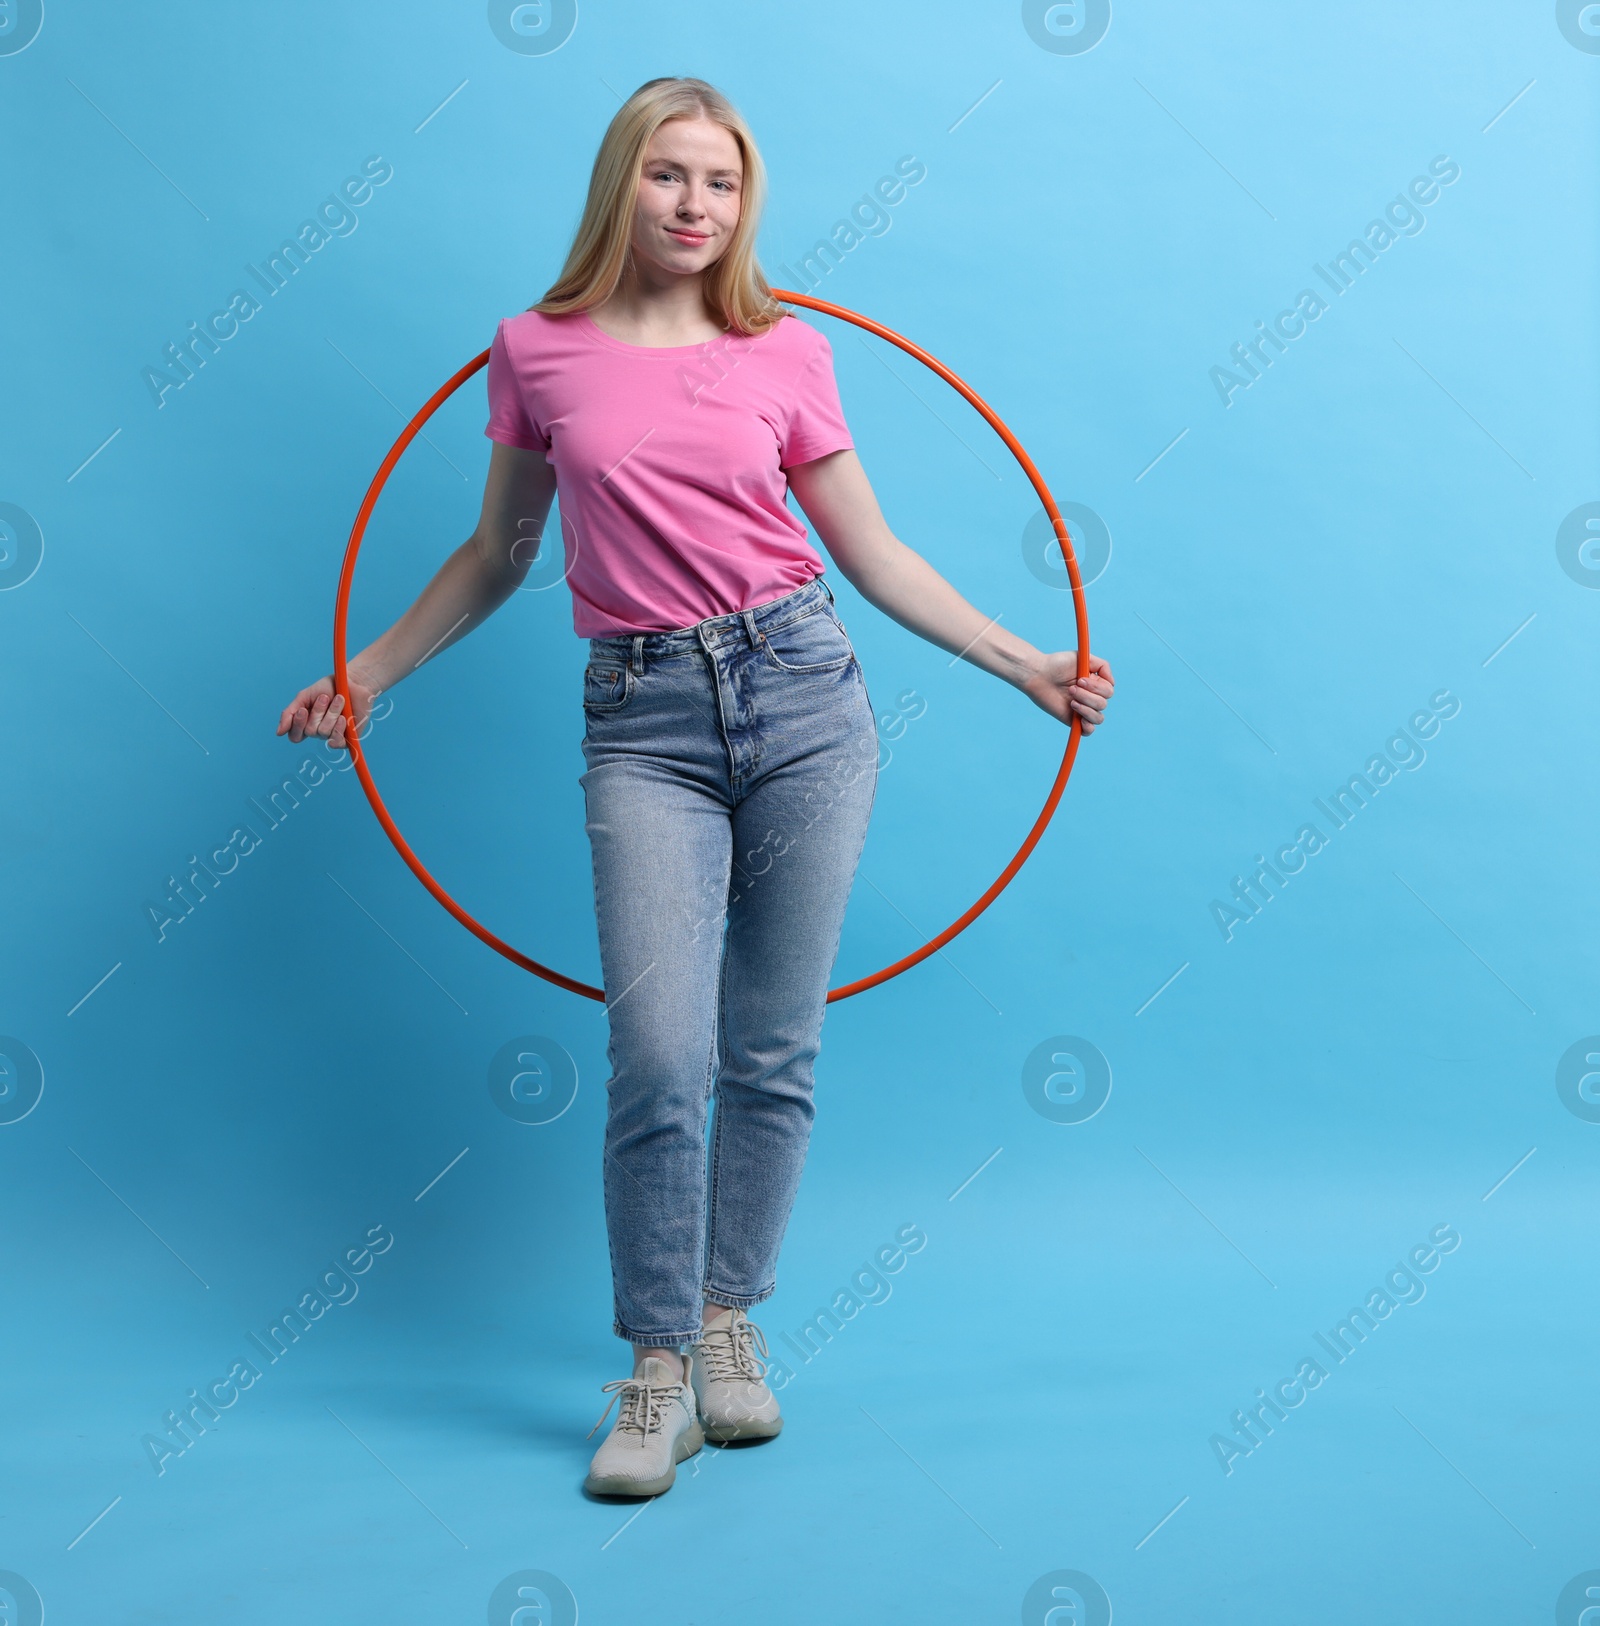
<point>649,299</point>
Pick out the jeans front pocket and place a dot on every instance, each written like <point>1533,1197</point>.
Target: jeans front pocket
<point>606,687</point>
<point>813,642</point>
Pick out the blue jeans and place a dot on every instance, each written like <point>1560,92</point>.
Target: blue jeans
<point>732,767</point>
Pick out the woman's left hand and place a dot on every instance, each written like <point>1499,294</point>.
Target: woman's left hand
<point>1056,687</point>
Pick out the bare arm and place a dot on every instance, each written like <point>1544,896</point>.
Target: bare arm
<point>466,590</point>
<point>839,501</point>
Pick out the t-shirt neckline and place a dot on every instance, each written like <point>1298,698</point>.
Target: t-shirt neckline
<point>599,335</point>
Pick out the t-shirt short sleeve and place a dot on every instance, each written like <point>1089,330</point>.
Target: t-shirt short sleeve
<point>816,423</point>
<point>510,422</point>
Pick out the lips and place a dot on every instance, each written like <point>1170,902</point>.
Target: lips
<point>690,237</point>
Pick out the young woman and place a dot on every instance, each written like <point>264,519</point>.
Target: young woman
<point>730,747</point>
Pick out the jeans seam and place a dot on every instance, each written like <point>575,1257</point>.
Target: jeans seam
<point>605,1134</point>
<point>720,1051</point>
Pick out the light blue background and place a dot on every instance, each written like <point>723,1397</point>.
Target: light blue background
<point>1365,526</point>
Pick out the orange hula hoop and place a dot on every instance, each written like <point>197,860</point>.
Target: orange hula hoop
<point>341,675</point>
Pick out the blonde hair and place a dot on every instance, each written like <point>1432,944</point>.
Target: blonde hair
<point>735,289</point>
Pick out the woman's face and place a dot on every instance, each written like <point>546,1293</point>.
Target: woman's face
<point>691,190</point>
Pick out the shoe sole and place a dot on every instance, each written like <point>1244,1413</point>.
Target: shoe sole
<point>619,1485</point>
<point>722,1433</point>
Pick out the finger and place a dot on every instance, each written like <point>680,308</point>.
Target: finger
<point>1091,685</point>
<point>1097,669</point>
<point>326,713</point>
<point>301,704</point>
<point>1080,697</point>
<point>287,716</point>
<point>315,726</point>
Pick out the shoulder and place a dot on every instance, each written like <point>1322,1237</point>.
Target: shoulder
<point>800,339</point>
<point>800,349</point>
<point>533,331</point>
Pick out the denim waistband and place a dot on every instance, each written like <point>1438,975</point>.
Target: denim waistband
<point>741,626</point>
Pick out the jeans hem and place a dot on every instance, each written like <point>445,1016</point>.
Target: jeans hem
<point>655,1340</point>
<point>738,1301</point>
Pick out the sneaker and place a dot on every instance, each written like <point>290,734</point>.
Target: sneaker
<point>656,1428</point>
<point>726,1369</point>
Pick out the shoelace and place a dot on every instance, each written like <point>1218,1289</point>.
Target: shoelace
<point>730,1352</point>
<point>642,1403</point>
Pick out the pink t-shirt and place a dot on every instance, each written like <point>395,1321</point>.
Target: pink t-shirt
<point>669,462</point>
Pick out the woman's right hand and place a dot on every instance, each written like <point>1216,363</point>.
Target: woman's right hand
<point>318,712</point>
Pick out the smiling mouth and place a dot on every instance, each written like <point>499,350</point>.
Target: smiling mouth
<point>686,236</point>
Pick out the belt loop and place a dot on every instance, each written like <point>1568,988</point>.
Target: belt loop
<point>823,580</point>
<point>750,627</point>
<point>637,660</point>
